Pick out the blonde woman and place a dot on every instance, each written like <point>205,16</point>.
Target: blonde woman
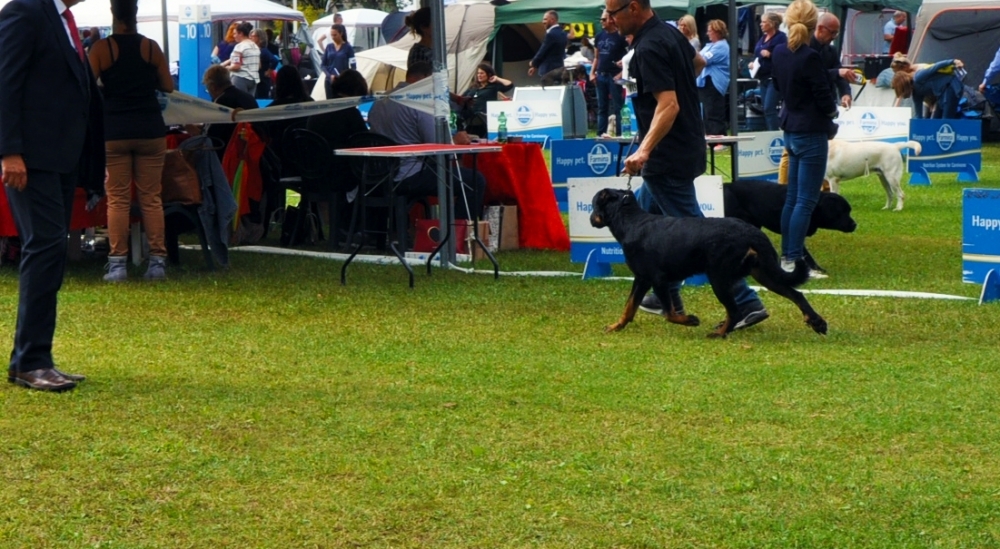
<point>689,29</point>
<point>807,120</point>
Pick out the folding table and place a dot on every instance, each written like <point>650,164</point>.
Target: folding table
<point>446,198</point>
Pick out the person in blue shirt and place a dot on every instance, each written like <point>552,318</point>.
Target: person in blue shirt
<point>770,38</point>
<point>337,56</point>
<point>889,30</point>
<point>611,47</point>
<point>991,72</point>
<point>713,82</point>
<point>936,86</point>
<point>268,63</point>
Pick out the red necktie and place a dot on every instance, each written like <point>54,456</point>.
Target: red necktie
<point>75,32</point>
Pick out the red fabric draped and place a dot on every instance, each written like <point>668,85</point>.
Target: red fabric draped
<point>518,176</point>
<point>247,147</point>
<point>81,217</point>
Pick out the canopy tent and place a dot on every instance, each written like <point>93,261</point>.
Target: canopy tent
<point>467,29</point>
<point>97,13</point>
<point>958,29</point>
<point>363,27</point>
<point>531,11</point>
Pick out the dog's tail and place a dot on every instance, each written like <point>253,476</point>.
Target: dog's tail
<point>763,257</point>
<point>909,145</point>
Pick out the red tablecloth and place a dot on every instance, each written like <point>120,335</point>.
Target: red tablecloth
<point>81,217</point>
<point>518,176</point>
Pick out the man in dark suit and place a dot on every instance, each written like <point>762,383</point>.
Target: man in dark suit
<point>551,54</point>
<point>51,140</point>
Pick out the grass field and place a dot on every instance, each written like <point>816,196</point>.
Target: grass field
<point>269,406</point>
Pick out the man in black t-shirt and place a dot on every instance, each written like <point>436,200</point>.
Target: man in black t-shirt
<point>611,47</point>
<point>672,151</point>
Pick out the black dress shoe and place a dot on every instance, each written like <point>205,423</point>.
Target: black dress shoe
<point>72,377</point>
<point>43,379</point>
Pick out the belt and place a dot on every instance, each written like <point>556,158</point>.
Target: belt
<point>607,73</point>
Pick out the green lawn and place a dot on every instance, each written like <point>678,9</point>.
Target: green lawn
<point>269,406</point>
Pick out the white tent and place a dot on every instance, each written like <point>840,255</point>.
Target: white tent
<point>364,27</point>
<point>97,13</point>
<point>958,29</point>
<point>467,28</point>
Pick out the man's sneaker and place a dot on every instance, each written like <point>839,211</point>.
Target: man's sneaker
<point>817,275</point>
<point>749,316</point>
<point>651,304</point>
<point>787,265</point>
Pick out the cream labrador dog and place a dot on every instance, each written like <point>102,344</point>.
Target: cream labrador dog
<point>847,160</point>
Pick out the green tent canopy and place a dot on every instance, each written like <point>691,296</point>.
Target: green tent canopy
<point>576,11</point>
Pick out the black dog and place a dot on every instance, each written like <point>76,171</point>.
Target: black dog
<point>662,249</point>
<point>759,203</point>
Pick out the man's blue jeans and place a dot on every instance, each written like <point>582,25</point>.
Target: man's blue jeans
<point>610,95</point>
<point>806,168</point>
<point>770,96</point>
<point>676,198</point>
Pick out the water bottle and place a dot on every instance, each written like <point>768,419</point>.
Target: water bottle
<point>502,128</point>
<point>626,121</point>
<point>453,123</point>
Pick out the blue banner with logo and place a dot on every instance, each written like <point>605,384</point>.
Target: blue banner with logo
<point>581,158</point>
<point>949,146</point>
<point>980,233</point>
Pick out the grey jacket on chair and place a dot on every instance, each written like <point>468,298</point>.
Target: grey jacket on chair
<point>218,207</point>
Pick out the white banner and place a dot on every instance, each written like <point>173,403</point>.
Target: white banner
<point>180,108</point>
<point>759,157</point>
<point>874,124</point>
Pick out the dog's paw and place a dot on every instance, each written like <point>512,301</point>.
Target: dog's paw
<point>616,327</point>
<point>683,320</point>
<point>817,324</point>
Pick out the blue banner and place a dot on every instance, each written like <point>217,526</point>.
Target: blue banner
<point>581,158</point>
<point>195,39</point>
<point>949,146</point>
<point>980,233</point>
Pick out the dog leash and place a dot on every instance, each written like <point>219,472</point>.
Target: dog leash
<point>635,136</point>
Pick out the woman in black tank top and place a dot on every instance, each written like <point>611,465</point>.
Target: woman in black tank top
<point>132,68</point>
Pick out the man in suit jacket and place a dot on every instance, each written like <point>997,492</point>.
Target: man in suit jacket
<point>51,140</point>
<point>551,54</point>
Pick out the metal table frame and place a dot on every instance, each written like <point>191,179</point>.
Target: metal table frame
<point>447,199</point>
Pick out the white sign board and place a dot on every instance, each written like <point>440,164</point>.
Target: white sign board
<point>535,121</point>
<point>874,124</point>
<point>760,157</point>
<point>584,238</point>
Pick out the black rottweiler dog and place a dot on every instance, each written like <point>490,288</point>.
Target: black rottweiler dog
<point>662,249</point>
<point>759,203</point>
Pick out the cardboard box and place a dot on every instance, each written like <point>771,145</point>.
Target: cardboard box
<point>503,228</point>
<point>428,237</point>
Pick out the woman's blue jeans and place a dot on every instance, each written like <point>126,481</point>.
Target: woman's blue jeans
<point>770,96</point>
<point>806,168</point>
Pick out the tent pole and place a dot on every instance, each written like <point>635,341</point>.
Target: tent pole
<point>734,71</point>
<point>166,37</point>
<point>441,130</point>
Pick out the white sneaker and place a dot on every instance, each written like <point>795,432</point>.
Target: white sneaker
<point>787,265</point>
<point>817,275</point>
